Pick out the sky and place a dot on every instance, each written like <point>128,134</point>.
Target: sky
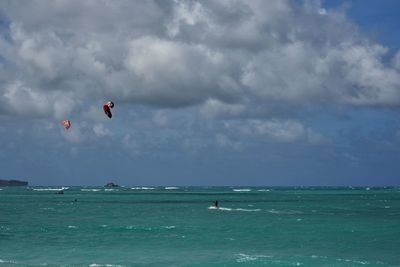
<point>228,92</point>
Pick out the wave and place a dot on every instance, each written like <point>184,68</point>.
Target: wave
<point>8,261</point>
<point>50,189</point>
<point>105,265</point>
<point>242,190</point>
<point>109,190</point>
<point>18,263</point>
<point>47,208</point>
<point>90,190</point>
<point>353,262</point>
<point>246,258</point>
<point>171,188</point>
<point>230,209</point>
<point>143,188</point>
<point>287,212</point>
<point>155,228</point>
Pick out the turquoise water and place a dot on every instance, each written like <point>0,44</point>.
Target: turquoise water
<point>158,226</point>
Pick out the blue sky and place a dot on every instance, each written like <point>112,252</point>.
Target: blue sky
<point>205,92</point>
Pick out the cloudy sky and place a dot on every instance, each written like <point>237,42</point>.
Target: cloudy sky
<point>223,92</point>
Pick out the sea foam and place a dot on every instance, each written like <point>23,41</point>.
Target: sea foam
<point>230,209</point>
<point>242,190</point>
<point>143,188</point>
<point>171,188</point>
<point>50,189</point>
<point>90,190</point>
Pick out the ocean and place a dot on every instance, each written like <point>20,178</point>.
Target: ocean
<point>178,226</point>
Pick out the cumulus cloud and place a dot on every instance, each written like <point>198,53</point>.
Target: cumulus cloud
<point>258,60</point>
<point>100,130</point>
<point>214,108</point>
<point>281,131</point>
<point>273,130</point>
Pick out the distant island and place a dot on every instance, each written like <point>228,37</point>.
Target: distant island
<point>12,183</point>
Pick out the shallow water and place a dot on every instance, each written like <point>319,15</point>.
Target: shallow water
<point>175,226</point>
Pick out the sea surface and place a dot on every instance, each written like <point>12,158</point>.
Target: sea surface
<point>177,226</point>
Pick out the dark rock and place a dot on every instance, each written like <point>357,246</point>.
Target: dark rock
<point>111,184</point>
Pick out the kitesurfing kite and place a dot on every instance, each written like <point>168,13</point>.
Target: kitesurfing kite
<point>66,123</point>
<point>107,108</point>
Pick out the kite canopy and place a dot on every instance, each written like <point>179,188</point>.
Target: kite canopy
<point>66,123</point>
<point>107,108</point>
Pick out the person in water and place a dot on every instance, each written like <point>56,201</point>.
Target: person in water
<point>216,203</point>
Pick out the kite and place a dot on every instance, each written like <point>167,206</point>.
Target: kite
<point>66,123</point>
<point>107,108</point>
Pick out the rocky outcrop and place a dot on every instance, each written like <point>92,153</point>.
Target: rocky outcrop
<point>111,184</point>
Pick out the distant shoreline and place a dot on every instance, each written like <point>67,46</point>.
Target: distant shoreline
<point>13,183</point>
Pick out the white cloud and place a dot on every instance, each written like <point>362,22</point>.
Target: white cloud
<point>281,131</point>
<point>100,130</point>
<point>227,143</point>
<point>181,53</point>
<point>214,108</point>
<point>25,101</point>
<point>396,61</point>
<point>255,61</point>
<point>75,133</point>
<point>129,142</point>
<point>317,138</point>
<point>273,130</point>
<point>189,13</point>
<point>160,118</point>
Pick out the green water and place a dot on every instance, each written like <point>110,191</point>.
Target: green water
<point>175,227</point>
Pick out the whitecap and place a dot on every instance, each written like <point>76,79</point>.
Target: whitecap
<point>263,190</point>
<point>242,190</point>
<point>72,226</point>
<point>104,265</point>
<point>6,261</point>
<point>171,188</point>
<point>108,190</point>
<point>248,209</point>
<point>246,258</point>
<point>230,209</point>
<point>169,227</point>
<point>50,189</point>
<point>355,261</point>
<point>90,190</point>
<point>287,212</point>
<point>143,188</point>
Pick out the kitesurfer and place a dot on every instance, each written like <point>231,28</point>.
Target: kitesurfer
<point>216,204</point>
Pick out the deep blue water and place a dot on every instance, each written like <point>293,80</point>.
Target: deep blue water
<point>159,226</point>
